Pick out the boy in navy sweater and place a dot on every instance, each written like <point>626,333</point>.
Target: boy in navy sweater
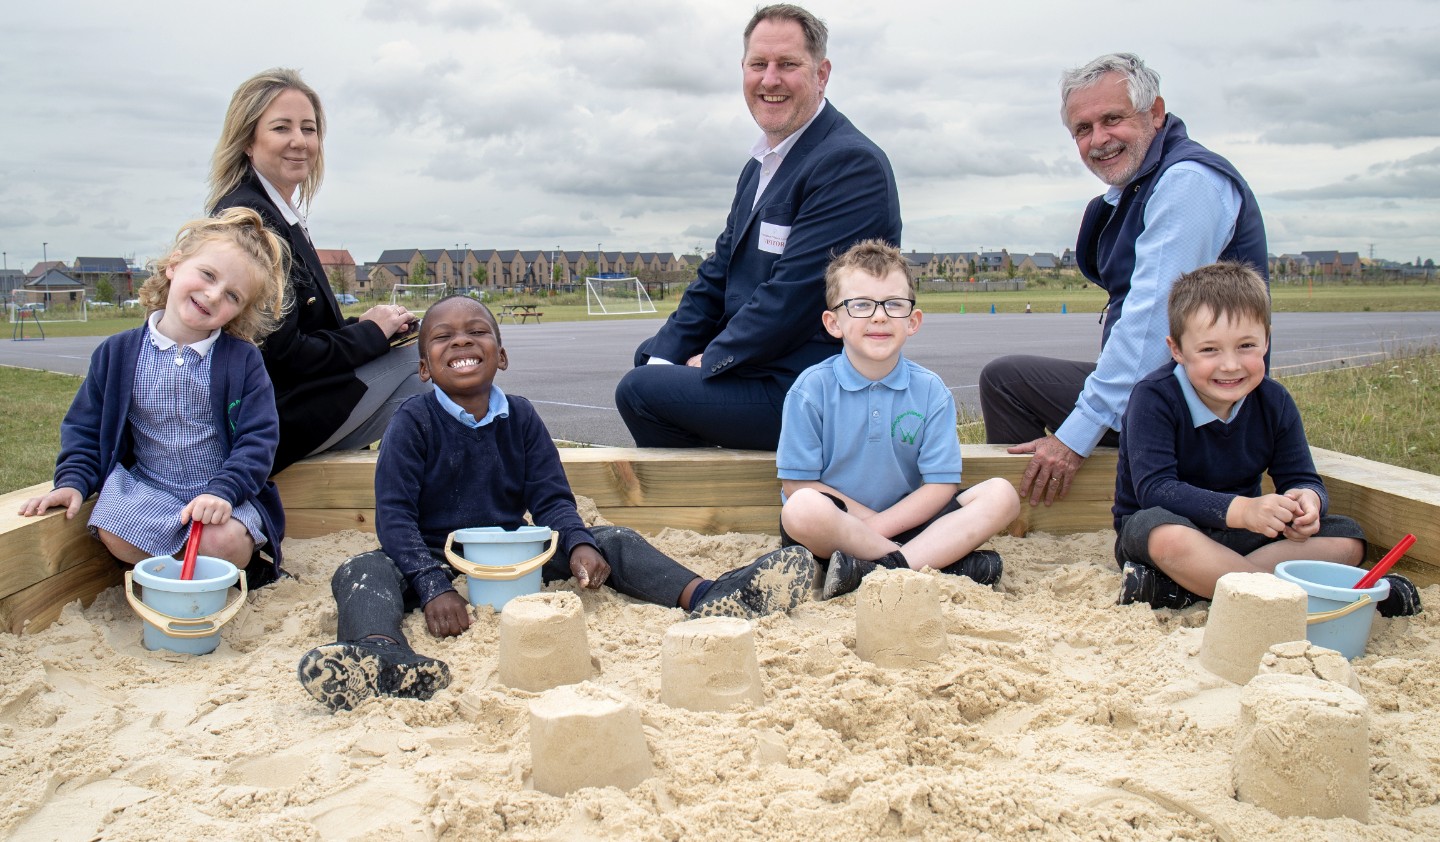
<point>1196,439</point>
<point>469,455</point>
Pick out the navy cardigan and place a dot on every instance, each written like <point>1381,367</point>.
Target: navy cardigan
<point>95,435</point>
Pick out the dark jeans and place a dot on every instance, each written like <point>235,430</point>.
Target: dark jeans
<point>1024,397</point>
<point>1132,542</point>
<point>672,406</point>
<point>373,597</point>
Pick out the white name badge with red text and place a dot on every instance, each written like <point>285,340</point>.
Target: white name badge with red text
<point>773,237</point>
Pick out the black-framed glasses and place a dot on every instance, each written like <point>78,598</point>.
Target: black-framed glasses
<point>864,308</point>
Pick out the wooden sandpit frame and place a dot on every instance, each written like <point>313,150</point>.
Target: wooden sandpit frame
<point>48,562</point>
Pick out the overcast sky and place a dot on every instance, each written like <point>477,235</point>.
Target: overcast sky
<point>545,123</point>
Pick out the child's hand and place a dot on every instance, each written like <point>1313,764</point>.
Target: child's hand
<point>1307,522</point>
<point>1269,515</point>
<point>447,615</point>
<point>207,509</point>
<point>588,566</point>
<point>66,497</point>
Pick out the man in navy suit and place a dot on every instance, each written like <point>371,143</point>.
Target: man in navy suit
<point>717,372</point>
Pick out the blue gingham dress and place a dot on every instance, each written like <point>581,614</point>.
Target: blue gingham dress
<point>177,453</point>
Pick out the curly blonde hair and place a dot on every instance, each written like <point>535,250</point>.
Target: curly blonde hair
<point>269,257</point>
<point>229,163</point>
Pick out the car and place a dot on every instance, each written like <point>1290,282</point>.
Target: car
<point>101,304</point>
<point>130,302</point>
<point>347,298</point>
<point>32,308</point>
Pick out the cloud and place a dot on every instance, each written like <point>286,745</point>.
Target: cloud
<point>1416,177</point>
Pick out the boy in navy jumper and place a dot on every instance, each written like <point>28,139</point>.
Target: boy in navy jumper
<point>1196,438</point>
<point>869,459</point>
<point>469,455</point>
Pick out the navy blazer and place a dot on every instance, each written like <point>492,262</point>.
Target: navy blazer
<point>313,354</point>
<point>753,312</point>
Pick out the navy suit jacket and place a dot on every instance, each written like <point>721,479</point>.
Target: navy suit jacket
<point>313,354</point>
<point>754,312</point>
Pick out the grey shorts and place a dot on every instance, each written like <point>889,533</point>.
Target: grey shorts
<point>907,535</point>
<point>1132,543</point>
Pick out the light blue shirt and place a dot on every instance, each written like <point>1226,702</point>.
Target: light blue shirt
<point>1188,221</point>
<point>875,441</point>
<point>499,408</point>
<point>1200,414</point>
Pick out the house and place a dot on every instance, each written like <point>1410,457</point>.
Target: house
<point>339,268</point>
<point>1334,264</point>
<point>116,270</point>
<point>1035,263</point>
<point>54,287</point>
<point>10,279</point>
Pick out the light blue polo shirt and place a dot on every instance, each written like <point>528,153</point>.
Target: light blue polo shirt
<point>876,441</point>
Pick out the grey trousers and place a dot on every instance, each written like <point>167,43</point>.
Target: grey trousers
<point>1024,397</point>
<point>388,380</point>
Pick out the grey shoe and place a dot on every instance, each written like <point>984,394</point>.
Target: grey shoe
<point>342,675</point>
<point>844,574</point>
<point>776,581</point>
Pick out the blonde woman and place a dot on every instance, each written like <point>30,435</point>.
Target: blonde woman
<point>337,380</point>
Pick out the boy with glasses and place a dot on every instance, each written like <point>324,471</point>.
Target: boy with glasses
<point>869,460</point>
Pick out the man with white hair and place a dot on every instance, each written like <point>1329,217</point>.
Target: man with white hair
<point>1172,206</point>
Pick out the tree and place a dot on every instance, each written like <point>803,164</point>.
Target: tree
<point>417,275</point>
<point>583,270</point>
<point>479,275</point>
<point>105,289</point>
<point>339,281</point>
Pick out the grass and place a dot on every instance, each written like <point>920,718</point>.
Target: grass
<point>1385,412</point>
<point>35,401</point>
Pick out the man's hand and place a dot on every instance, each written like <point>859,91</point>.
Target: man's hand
<point>694,362</point>
<point>447,615</point>
<point>1269,515</point>
<point>588,566</point>
<point>1050,471</point>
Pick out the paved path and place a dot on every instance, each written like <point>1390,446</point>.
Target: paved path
<point>569,369</point>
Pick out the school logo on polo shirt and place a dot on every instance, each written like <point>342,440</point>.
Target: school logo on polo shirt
<point>907,426</point>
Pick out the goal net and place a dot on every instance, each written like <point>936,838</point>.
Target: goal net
<point>416,297</point>
<point>62,305</point>
<point>616,296</point>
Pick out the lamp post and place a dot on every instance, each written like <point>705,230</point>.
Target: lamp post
<point>44,252</point>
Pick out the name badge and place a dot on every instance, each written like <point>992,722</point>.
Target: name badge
<point>773,237</point>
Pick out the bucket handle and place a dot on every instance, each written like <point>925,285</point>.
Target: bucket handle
<point>503,573</point>
<point>1327,616</point>
<point>185,627</point>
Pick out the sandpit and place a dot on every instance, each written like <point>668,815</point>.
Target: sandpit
<point>1051,714</point>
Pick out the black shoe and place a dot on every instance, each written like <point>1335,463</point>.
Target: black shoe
<point>844,574</point>
<point>984,566</point>
<point>1146,584</point>
<point>1404,598</point>
<point>776,581</point>
<point>342,675</point>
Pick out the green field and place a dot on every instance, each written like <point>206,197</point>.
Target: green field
<point>1077,298</point>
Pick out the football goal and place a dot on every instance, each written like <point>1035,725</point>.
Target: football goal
<point>48,305</point>
<point>616,297</point>
<point>416,297</point>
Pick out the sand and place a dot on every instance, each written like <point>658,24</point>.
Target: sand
<point>1053,714</point>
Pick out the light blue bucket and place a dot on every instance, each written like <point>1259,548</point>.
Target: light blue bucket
<point>1339,616</point>
<point>500,565</point>
<point>184,615</point>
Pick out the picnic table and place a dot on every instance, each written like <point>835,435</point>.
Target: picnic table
<point>519,313</point>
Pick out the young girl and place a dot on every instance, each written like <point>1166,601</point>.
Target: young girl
<point>176,421</point>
